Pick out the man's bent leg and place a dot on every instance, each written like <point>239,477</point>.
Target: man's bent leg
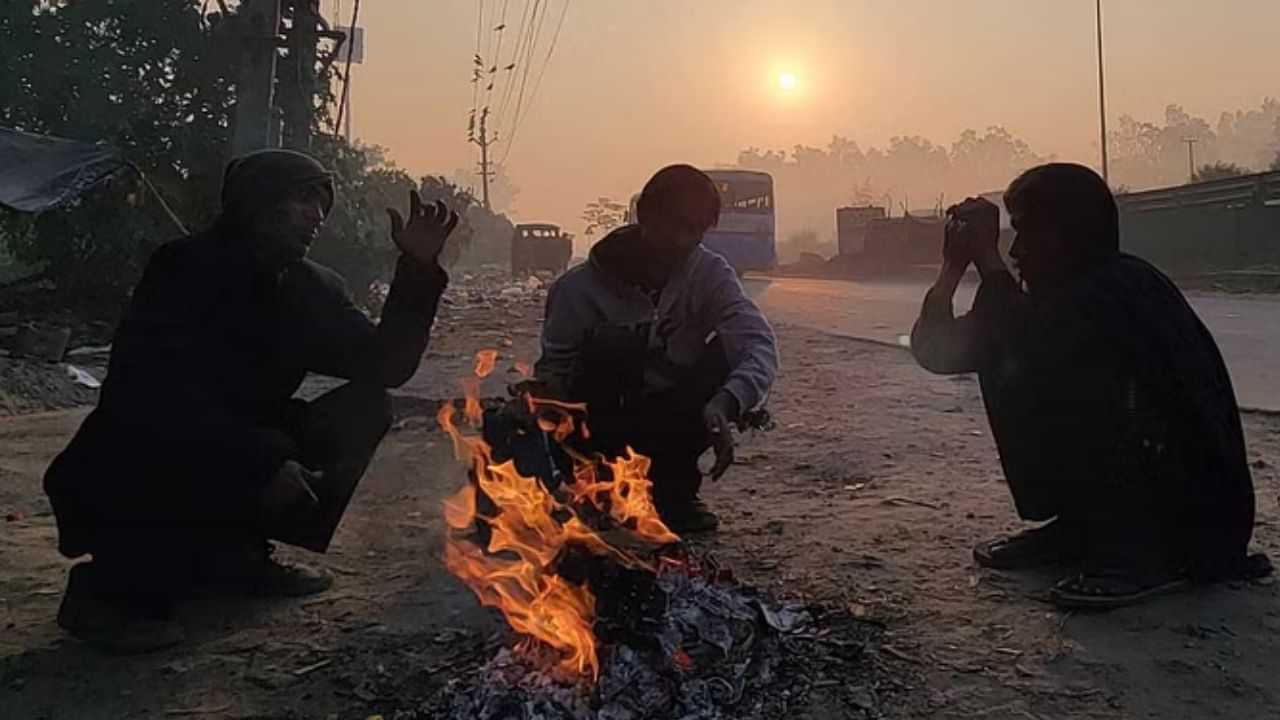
<point>338,434</point>
<point>123,600</point>
<point>1056,542</point>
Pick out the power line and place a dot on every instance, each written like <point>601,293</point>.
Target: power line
<point>495,52</point>
<point>476,62</point>
<point>528,60</point>
<point>500,31</point>
<point>537,83</point>
<point>526,26</point>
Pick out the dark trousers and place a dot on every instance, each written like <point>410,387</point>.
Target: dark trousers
<point>667,427</point>
<point>1125,513</point>
<point>152,529</point>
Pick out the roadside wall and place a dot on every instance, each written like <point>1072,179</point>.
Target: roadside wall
<point>1226,225</point>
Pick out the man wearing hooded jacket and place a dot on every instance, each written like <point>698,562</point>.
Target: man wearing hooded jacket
<point>656,334</point>
<point>197,452</point>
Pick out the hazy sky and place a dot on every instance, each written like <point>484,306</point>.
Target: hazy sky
<point>635,84</point>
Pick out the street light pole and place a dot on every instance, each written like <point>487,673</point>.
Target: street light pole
<point>1191,158</point>
<point>1102,95</point>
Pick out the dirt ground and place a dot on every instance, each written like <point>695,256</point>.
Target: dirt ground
<point>869,494</point>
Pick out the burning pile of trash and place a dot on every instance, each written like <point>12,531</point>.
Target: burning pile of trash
<point>619,619</point>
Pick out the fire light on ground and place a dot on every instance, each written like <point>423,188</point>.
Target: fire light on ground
<point>530,528</point>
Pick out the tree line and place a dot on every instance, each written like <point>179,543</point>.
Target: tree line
<point>914,174</point>
<point>156,79</point>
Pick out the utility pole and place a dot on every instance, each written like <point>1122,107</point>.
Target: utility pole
<point>484,141</point>
<point>259,24</point>
<point>299,100</point>
<point>1102,95</point>
<point>1191,158</point>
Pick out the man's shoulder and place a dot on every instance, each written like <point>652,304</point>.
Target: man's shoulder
<point>581,278</point>
<point>708,262</point>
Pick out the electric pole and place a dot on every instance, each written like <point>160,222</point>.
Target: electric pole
<point>1102,95</point>
<point>299,100</point>
<point>484,141</point>
<point>257,31</point>
<point>1191,158</point>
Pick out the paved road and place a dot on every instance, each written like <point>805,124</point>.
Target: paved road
<point>1247,328</point>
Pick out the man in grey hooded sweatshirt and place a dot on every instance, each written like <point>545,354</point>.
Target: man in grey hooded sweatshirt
<point>197,452</point>
<point>656,334</point>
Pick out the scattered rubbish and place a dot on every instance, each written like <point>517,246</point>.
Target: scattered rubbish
<point>83,377</point>
<point>89,350</point>
<point>271,679</point>
<point>15,516</point>
<point>177,667</point>
<point>899,500</point>
<point>304,671</point>
<point>41,343</point>
<point>203,710</point>
<point>899,654</point>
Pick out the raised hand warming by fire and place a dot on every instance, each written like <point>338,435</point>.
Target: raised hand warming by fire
<point>423,236</point>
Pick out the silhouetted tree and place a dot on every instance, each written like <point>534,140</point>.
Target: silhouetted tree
<point>603,215</point>
<point>155,80</point>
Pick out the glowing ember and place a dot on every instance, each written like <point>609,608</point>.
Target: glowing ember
<point>530,528</point>
<point>486,361</point>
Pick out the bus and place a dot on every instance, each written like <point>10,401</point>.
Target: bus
<point>745,233</point>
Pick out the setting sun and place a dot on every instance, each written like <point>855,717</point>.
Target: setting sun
<point>787,81</point>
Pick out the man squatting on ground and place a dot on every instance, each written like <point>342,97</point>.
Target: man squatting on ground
<point>197,452</point>
<point>655,333</point>
<point>1110,404</point>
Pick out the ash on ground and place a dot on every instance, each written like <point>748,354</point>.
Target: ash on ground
<point>686,645</point>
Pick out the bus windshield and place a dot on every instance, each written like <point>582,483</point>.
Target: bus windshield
<point>745,195</point>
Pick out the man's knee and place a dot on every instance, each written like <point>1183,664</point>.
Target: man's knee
<point>353,410</point>
<point>373,406</point>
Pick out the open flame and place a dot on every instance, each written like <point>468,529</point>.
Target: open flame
<point>530,527</point>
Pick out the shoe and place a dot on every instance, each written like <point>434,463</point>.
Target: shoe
<point>112,624</point>
<point>1054,543</point>
<point>252,569</point>
<point>1108,591</point>
<point>692,518</point>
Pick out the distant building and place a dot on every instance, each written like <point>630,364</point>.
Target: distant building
<point>851,227</point>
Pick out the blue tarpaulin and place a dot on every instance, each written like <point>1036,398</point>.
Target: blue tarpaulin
<point>38,172</point>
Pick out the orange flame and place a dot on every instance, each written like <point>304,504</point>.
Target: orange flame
<point>485,362</point>
<point>530,528</point>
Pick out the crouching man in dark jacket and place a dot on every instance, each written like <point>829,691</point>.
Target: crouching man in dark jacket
<point>197,452</point>
<point>1111,407</point>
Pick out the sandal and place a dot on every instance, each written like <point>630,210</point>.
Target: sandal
<point>1049,544</point>
<point>1108,592</point>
